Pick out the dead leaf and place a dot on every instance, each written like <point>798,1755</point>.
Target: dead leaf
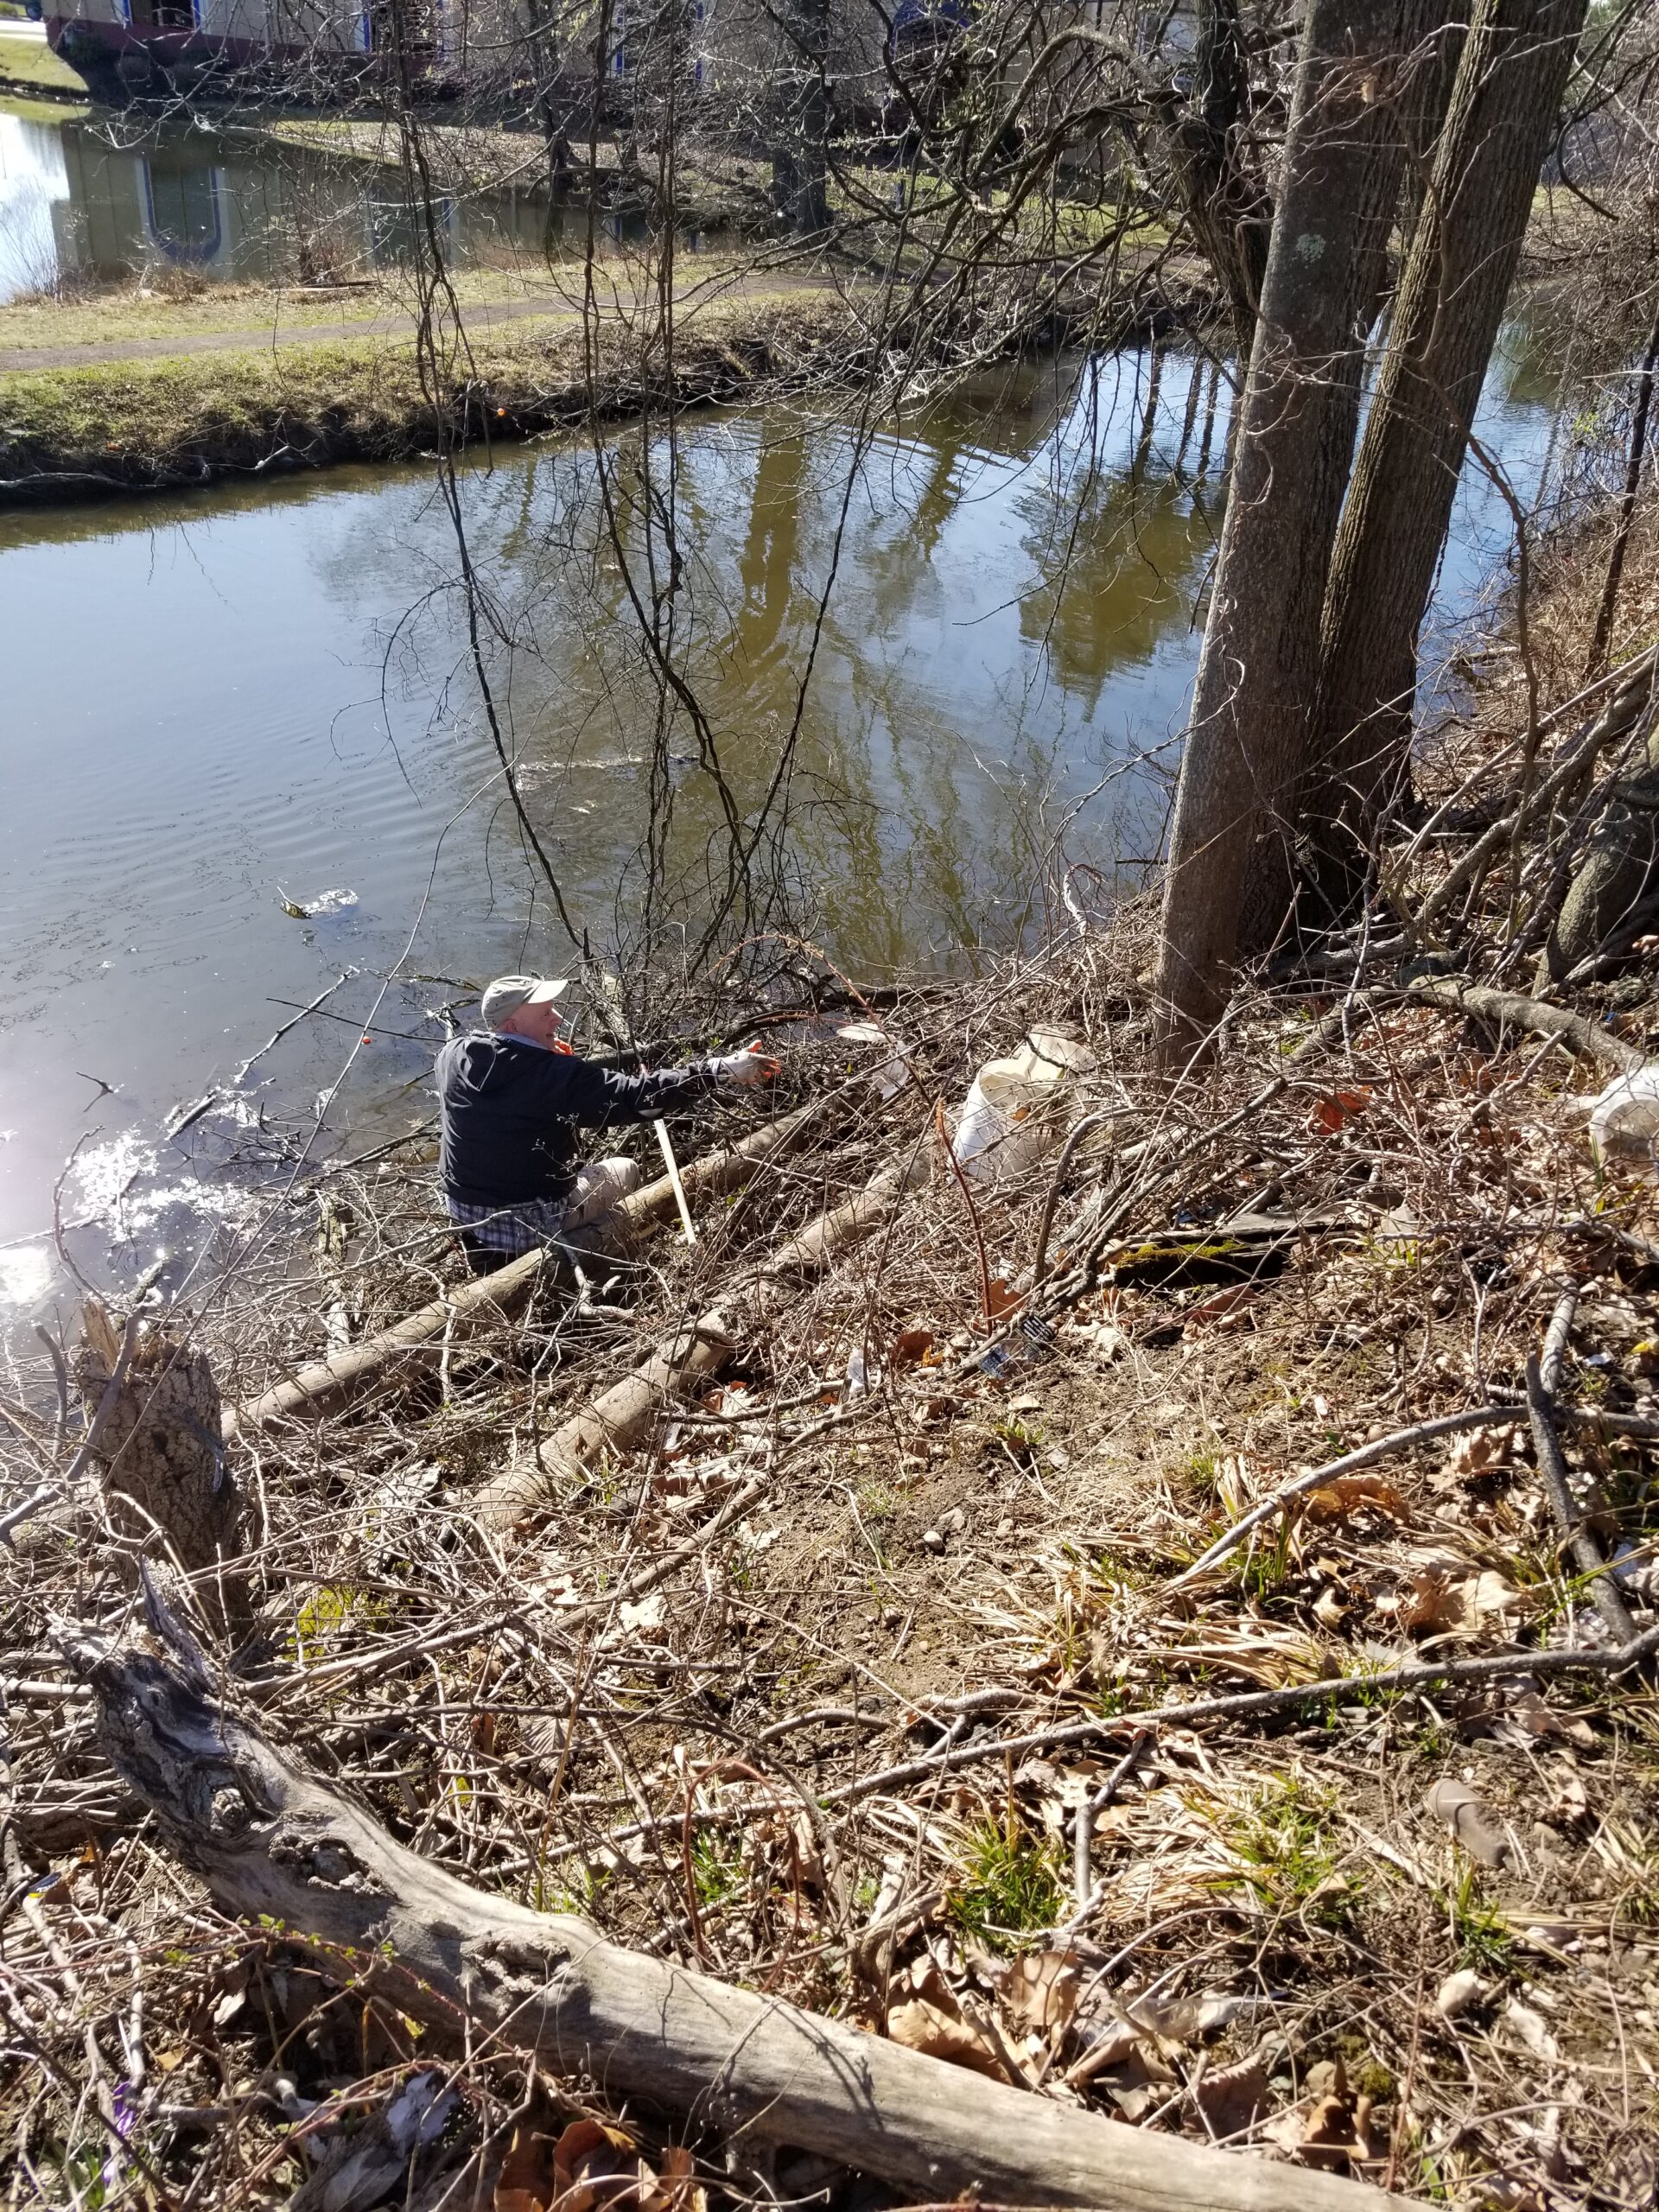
<point>1480,1450</point>
<point>677,2189</point>
<point>1041,1992</point>
<point>1328,1608</point>
<point>1232,2098</point>
<point>1330,1113</point>
<point>1570,1803</point>
<point>910,1346</point>
<point>1144,2026</point>
<point>1443,1603</point>
<point>1224,1304</point>
<point>594,2165</point>
<point>919,2026</point>
<point>1355,1494</point>
<point>1000,1298</point>
<point>526,2183</point>
<point>1627,2180</point>
<point>1336,2132</point>
<point>1475,1826</point>
<point>1536,1717</point>
<point>1332,2135</point>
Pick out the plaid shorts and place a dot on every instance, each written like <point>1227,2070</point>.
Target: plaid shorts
<point>521,1228</point>
<point>509,1228</point>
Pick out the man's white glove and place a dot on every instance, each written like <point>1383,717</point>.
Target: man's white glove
<point>750,1065</point>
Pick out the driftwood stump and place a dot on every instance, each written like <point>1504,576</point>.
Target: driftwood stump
<point>155,1441</point>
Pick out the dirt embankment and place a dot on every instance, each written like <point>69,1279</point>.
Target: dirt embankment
<point>72,432</point>
<point>80,433</point>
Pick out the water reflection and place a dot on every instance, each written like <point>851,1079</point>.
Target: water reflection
<point>91,201</point>
<point>266,691</point>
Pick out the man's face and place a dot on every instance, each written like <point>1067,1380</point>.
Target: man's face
<point>541,1024</point>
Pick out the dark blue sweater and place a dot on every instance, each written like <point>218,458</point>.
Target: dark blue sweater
<point>510,1111</point>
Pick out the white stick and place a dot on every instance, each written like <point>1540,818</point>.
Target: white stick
<point>673,1167</point>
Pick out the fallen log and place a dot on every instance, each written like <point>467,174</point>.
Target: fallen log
<point>621,1415</point>
<point>282,1847</point>
<point>614,1419</point>
<point>1503,1009</point>
<point>417,1341</point>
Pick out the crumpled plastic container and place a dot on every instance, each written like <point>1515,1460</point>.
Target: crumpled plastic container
<point>1625,1120</point>
<point>1010,1116</point>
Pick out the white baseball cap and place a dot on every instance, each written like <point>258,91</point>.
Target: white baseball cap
<point>504,997</point>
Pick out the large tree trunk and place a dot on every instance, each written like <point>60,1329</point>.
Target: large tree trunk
<point>1445,320</point>
<point>281,1845</point>
<point>1245,747</point>
<point>1227,209</point>
<point>800,161</point>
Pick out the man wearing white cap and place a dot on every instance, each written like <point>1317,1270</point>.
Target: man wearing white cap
<point>510,1100</point>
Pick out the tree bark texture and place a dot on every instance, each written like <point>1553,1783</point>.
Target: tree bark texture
<point>1246,742</point>
<point>277,1844</point>
<point>1615,888</point>
<point>1226,207</point>
<point>162,1463</point>
<point>800,164</point>
<point>1637,455</point>
<point>1445,320</point>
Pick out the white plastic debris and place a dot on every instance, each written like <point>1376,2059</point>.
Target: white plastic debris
<point>863,1375</point>
<point>890,1077</point>
<point>1008,1118</point>
<point>1624,1119</point>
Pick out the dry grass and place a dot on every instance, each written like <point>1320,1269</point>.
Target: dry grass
<point>174,302</point>
<point>138,426</point>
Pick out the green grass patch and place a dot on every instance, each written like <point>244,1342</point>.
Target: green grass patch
<point>1480,1935</point>
<point>1285,1838</point>
<point>1011,1885</point>
<point>31,61</point>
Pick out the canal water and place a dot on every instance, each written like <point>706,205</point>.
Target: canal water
<point>224,707</point>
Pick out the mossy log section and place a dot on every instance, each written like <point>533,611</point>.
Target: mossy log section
<point>278,1846</point>
<point>417,1342</point>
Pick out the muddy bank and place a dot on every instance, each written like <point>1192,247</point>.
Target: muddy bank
<point>86,433</point>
